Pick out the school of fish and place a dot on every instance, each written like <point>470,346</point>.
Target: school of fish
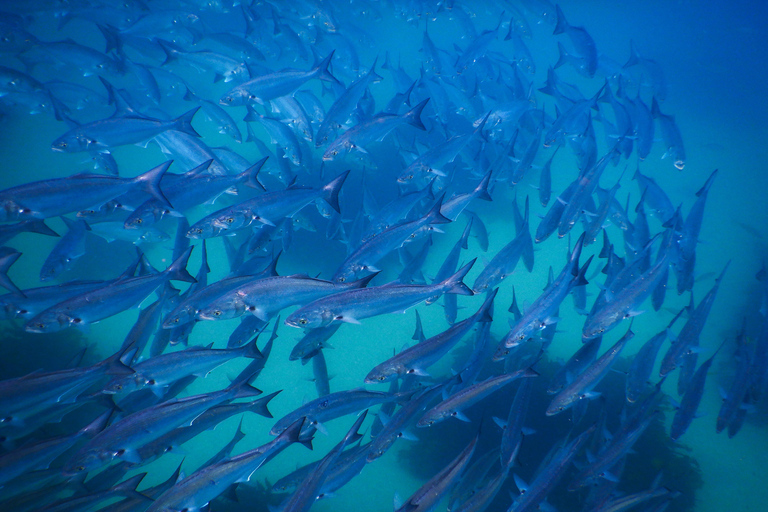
<point>370,182</point>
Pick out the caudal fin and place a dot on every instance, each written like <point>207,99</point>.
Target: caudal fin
<point>434,216</point>
<point>259,406</point>
<point>481,191</point>
<point>183,123</point>
<point>454,284</point>
<point>38,226</point>
<point>322,69</point>
<point>251,350</point>
<point>5,264</point>
<point>251,175</point>
<point>485,313</point>
<point>331,191</point>
<point>413,118</point>
<point>178,269</point>
<point>562,24</point>
<point>150,181</point>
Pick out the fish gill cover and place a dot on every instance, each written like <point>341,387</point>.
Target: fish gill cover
<point>186,183</point>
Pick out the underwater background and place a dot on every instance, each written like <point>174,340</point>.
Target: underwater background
<point>715,65</point>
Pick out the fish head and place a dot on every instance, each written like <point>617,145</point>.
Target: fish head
<point>203,229</point>
<point>406,177</point>
<point>11,210</point>
<point>335,149</point>
<point>310,319</point>
<point>222,310</point>
<point>85,461</point>
<point>347,275</point>
<point>152,236</point>
<point>556,408</point>
<point>179,317</point>
<point>53,267</point>
<point>237,97</point>
<point>387,374</point>
<point>70,143</point>
<point>50,321</point>
<point>480,288</point>
<point>122,384</point>
<point>232,220</point>
<point>294,156</point>
<point>430,419</point>
<point>140,218</point>
<point>593,328</point>
<point>13,310</point>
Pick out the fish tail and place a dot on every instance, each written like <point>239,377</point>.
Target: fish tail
<point>183,123</point>
<point>634,57</point>
<point>114,364</point>
<point>574,258</point>
<point>251,175</point>
<point>655,110</point>
<point>375,77</point>
<point>454,284</point>
<point>251,350</point>
<point>363,281</point>
<point>579,278</point>
<point>189,95</point>
<point>708,184</point>
<point>292,433</point>
<point>151,181</point>
<point>178,269</point>
<point>128,487</point>
<point>331,191</point>
<point>169,50</point>
<point>485,313</point>
<point>259,406</point>
<point>5,264</point>
<point>413,118</point>
<point>562,24</point>
<point>562,56</point>
<point>481,192</point>
<point>465,235</point>
<point>434,216</point>
<point>243,389</point>
<point>38,226</point>
<point>322,69</point>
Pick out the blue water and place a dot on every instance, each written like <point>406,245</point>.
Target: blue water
<point>714,60</point>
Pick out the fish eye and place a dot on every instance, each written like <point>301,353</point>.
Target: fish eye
<point>342,279</point>
<point>151,382</point>
<point>303,321</point>
<point>229,220</point>
<point>138,221</point>
<point>80,468</point>
<point>217,312</point>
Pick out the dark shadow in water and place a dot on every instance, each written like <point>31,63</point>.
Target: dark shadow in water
<point>25,352</point>
<point>653,452</point>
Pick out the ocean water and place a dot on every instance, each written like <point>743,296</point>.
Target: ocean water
<point>714,65</point>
